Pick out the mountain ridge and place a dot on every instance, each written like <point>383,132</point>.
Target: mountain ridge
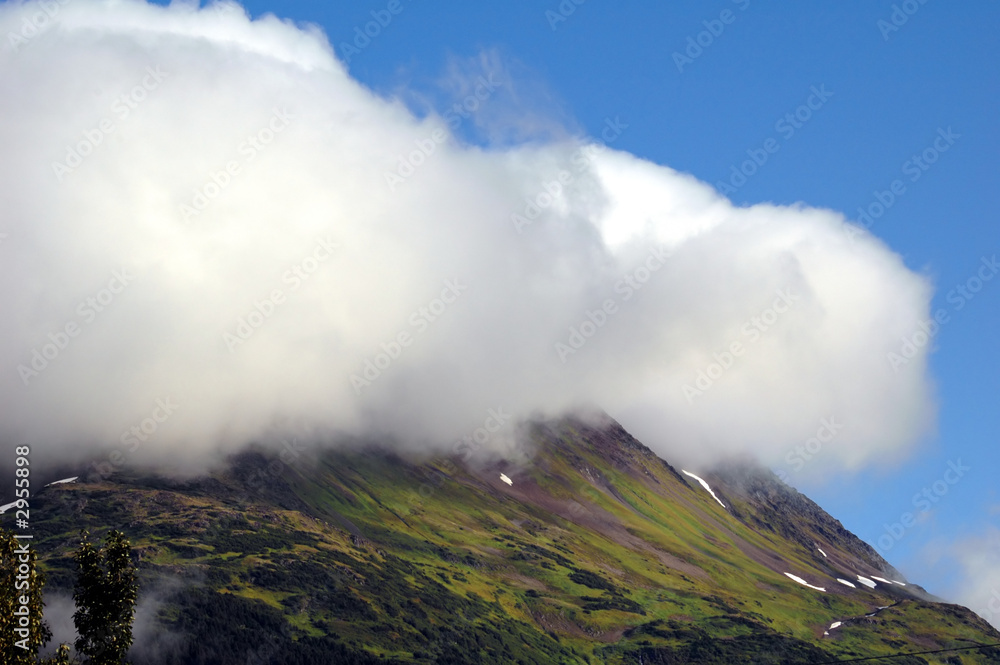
<point>597,550</point>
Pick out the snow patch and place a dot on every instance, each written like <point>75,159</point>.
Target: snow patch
<point>836,624</point>
<point>705,485</point>
<point>885,581</point>
<point>867,582</point>
<point>822,552</point>
<point>850,584</point>
<point>507,480</point>
<point>804,583</point>
<point>10,505</point>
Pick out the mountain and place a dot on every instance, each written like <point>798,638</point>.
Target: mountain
<point>588,549</point>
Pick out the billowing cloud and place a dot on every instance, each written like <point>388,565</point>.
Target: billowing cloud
<point>976,571</point>
<point>212,234</point>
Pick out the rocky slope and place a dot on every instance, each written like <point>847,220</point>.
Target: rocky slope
<point>589,550</point>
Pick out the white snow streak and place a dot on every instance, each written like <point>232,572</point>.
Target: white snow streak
<point>822,552</point>
<point>885,581</point>
<point>705,485</point>
<point>10,505</point>
<point>850,584</point>
<point>836,624</point>
<point>867,582</point>
<point>507,480</point>
<point>804,583</point>
<point>64,480</point>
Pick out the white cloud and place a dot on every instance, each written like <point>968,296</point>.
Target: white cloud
<point>323,176</point>
<point>978,586</point>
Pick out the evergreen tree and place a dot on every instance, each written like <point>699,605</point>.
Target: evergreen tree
<point>105,596</point>
<point>60,658</point>
<point>22,630</point>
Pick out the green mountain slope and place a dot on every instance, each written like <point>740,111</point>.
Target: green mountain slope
<point>596,551</point>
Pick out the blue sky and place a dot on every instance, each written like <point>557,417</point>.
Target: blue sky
<point>894,92</point>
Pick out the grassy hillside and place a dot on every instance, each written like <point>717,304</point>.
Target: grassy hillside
<point>598,552</point>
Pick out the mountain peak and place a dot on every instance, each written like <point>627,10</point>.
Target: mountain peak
<point>590,549</point>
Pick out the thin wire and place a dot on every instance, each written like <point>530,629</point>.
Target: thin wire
<point>914,653</point>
